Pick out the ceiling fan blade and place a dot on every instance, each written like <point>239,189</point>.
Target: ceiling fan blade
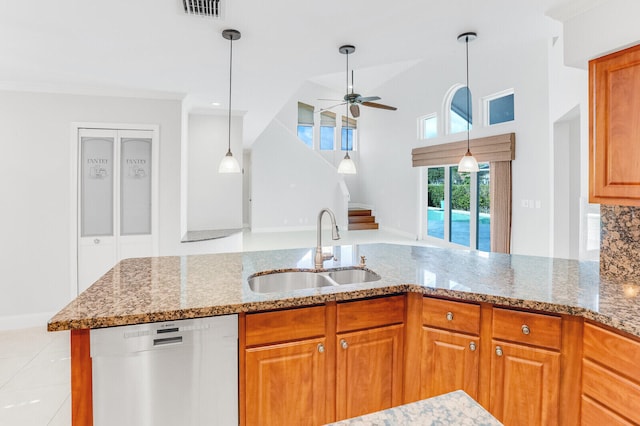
<point>331,107</point>
<point>362,99</point>
<point>355,110</point>
<point>381,106</point>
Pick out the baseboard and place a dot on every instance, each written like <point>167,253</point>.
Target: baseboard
<point>398,232</point>
<point>15,322</point>
<point>283,229</point>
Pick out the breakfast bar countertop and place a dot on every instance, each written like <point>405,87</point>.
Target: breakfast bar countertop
<point>157,289</point>
<point>454,408</point>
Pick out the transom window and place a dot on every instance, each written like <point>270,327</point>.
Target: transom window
<point>460,111</point>
<point>428,126</point>
<point>499,108</point>
<point>351,130</point>
<point>305,124</point>
<point>327,130</point>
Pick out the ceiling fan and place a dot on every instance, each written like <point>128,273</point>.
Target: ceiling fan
<point>355,99</point>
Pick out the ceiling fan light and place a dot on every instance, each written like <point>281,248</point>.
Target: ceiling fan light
<point>229,164</point>
<point>468,164</point>
<point>347,166</point>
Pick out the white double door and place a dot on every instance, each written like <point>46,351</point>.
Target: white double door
<point>117,199</point>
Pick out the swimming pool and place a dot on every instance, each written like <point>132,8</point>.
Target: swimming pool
<point>460,227</point>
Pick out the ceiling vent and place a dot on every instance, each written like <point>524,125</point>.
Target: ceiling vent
<point>207,8</point>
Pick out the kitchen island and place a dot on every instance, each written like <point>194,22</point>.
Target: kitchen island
<point>170,288</point>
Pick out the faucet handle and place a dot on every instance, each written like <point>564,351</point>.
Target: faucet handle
<point>363,261</point>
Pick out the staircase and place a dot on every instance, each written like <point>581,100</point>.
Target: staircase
<point>361,219</point>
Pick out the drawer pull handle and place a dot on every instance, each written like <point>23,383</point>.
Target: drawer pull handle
<point>498,351</point>
<point>320,348</point>
<point>449,316</point>
<point>525,329</point>
<point>472,346</point>
<point>344,344</point>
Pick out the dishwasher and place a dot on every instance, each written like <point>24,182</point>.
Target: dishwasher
<point>167,373</point>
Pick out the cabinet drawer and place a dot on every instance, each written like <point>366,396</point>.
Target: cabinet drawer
<point>527,327</point>
<point>615,392</point>
<point>616,352</point>
<point>594,414</point>
<point>287,325</point>
<point>370,313</point>
<point>456,316</point>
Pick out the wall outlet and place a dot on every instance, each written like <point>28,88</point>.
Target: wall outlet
<point>525,203</point>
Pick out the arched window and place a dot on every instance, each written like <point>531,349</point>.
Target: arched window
<point>460,111</point>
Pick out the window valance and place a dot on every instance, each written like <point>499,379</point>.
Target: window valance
<point>487,149</point>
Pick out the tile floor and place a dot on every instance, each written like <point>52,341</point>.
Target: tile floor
<point>35,364</point>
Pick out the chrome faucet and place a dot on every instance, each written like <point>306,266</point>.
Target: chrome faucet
<point>335,235</point>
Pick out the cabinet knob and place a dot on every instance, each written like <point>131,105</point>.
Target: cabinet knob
<point>96,241</point>
<point>320,348</point>
<point>449,316</point>
<point>525,329</point>
<point>344,344</point>
<point>472,346</point>
<point>498,351</point>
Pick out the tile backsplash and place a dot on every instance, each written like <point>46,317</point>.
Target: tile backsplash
<point>620,241</point>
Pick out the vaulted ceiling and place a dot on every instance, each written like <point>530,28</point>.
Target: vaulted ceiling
<point>152,48</point>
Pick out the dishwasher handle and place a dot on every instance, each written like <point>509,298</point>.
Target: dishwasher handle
<point>168,341</point>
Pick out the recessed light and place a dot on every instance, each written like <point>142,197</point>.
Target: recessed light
<point>216,103</point>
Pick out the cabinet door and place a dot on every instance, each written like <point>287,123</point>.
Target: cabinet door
<point>286,383</point>
<point>614,152</point>
<point>450,361</point>
<point>524,385</point>
<point>369,371</point>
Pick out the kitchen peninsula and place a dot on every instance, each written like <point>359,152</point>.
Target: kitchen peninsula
<point>438,294</point>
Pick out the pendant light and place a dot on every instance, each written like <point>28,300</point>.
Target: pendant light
<point>347,166</point>
<point>229,164</point>
<point>468,162</point>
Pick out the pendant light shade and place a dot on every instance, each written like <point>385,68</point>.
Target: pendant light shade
<point>229,163</point>
<point>347,166</point>
<point>468,162</point>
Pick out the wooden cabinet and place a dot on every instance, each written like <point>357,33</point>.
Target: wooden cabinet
<point>524,384</point>
<point>287,383</point>
<point>450,348</point>
<point>610,378</point>
<point>314,365</point>
<point>284,376</point>
<point>369,361</point>
<point>368,371</point>
<point>614,152</point>
<point>525,368</point>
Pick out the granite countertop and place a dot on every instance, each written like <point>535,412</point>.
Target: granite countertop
<point>169,288</point>
<point>455,408</point>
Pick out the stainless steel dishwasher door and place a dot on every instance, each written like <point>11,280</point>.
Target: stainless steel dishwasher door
<point>176,373</point>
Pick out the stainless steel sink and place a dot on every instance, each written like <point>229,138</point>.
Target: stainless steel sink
<point>299,280</point>
<point>287,281</point>
<point>352,276</point>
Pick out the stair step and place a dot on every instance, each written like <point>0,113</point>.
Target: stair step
<point>362,219</point>
<point>359,212</point>
<point>359,226</point>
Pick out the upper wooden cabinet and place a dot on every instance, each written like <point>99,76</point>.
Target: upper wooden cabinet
<point>614,128</point>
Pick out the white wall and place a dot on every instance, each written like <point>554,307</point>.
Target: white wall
<point>36,192</point>
<point>610,26</point>
<point>290,183</point>
<point>214,199</point>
